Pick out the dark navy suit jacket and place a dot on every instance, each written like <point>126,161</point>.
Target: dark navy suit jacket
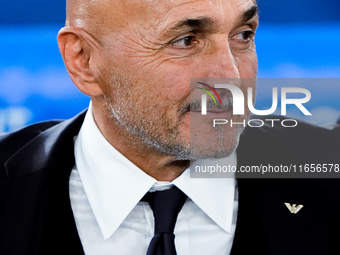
<point>36,215</point>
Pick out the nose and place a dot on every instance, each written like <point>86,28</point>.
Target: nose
<point>220,61</point>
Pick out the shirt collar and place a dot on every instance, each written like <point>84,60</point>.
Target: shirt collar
<point>214,196</point>
<point>114,185</point>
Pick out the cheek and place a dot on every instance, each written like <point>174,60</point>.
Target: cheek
<point>173,79</point>
<point>247,63</point>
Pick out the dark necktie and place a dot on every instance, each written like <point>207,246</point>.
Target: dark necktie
<point>165,205</point>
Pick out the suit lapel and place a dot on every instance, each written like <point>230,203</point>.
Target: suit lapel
<point>59,229</point>
<point>46,163</point>
<point>249,235</point>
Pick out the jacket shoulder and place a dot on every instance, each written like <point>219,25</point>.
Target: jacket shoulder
<point>12,142</point>
<point>34,147</point>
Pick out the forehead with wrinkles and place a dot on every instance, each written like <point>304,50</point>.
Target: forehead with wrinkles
<point>101,17</point>
<point>111,14</point>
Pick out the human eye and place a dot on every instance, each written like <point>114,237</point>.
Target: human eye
<point>245,36</point>
<point>185,42</point>
<point>242,40</point>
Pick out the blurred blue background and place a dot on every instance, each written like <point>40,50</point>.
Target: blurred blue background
<point>296,39</point>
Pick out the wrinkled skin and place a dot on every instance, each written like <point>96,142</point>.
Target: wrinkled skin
<point>135,59</point>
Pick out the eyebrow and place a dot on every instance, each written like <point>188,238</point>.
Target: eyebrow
<point>206,22</point>
<point>249,14</point>
<point>199,23</point>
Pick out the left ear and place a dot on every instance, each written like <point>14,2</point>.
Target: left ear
<point>77,49</point>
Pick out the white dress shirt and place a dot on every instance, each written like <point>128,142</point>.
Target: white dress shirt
<point>106,189</point>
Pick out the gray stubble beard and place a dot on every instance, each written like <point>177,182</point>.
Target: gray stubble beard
<point>146,130</point>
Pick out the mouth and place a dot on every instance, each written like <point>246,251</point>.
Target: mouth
<point>213,110</point>
<point>213,113</point>
<point>227,105</point>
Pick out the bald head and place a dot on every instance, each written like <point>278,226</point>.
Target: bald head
<point>99,17</point>
<point>85,14</point>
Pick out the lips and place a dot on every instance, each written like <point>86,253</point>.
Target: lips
<point>219,110</point>
<point>213,110</point>
<point>195,107</point>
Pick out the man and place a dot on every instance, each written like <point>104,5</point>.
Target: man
<point>78,186</point>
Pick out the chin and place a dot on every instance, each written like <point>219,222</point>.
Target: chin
<point>220,145</point>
